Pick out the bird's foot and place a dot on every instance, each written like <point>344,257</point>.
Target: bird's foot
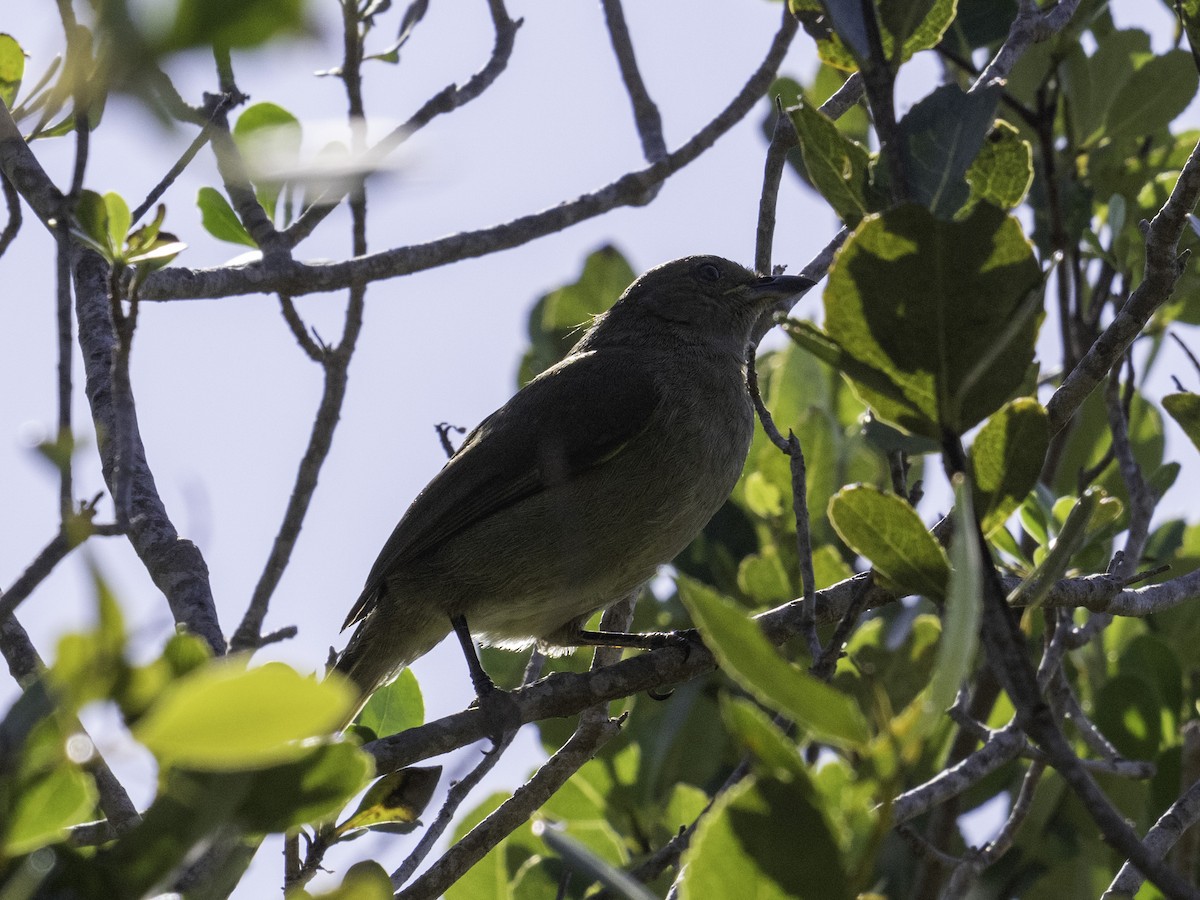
<point>501,714</point>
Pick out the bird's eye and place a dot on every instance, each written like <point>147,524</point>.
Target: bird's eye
<point>709,272</point>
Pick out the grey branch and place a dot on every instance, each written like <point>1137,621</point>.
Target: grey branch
<point>1031,25</point>
<point>588,738</point>
<point>1171,825</point>
<point>175,564</point>
<point>645,113</point>
<point>296,278</point>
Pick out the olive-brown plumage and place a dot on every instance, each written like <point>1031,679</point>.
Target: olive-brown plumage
<point>571,494</point>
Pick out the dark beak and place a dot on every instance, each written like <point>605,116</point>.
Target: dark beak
<point>778,293</point>
<point>782,286</point>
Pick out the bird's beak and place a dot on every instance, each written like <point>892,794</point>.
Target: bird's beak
<point>776,293</point>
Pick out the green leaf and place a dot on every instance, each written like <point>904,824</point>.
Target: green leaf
<point>888,532</point>
<point>1007,458</point>
<point>936,313</point>
<point>46,807</point>
<point>394,708</point>
<point>1158,91</point>
<point>233,23</point>
<point>1003,171</point>
<point>747,846</point>
<point>269,138</point>
<point>813,15</point>
<point>939,139</point>
<point>902,17</point>
<point>396,799</point>
<point>219,219</point>
<point>1071,538</point>
<point>366,880</point>
<point>838,167</point>
<point>558,318</point>
<point>755,731</point>
<point>747,657</point>
<point>91,214</point>
<point>306,790</point>
<point>964,610</point>
<point>118,221</point>
<point>763,578</point>
<point>12,69</point>
<point>1091,83</point>
<point>1185,409</point>
<point>1127,710</point>
<point>224,716</point>
<point>578,858</point>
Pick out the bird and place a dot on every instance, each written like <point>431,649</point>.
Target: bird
<point>572,494</point>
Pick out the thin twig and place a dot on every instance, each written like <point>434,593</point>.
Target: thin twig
<point>588,738</point>
<point>1163,267</point>
<point>12,200</point>
<point>1186,350</point>
<point>220,104</point>
<point>783,138</point>
<point>1032,24</point>
<point>336,363</point>
<point>979,860</point>
<point>645,112</point>
<point>790,447</point>
<point>444,101</point>
<point>296,278</point>
<point>35,573</point>
<point>1006,653</point>
<point>1179,817</point>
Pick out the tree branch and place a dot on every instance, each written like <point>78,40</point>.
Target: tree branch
<point>296,278</point>
<point>645,113</point>
<point>176,565</point>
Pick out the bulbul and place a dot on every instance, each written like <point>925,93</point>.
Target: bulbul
<point>569,496</point>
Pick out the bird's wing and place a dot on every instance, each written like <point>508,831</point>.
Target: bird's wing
<point>572,417</point>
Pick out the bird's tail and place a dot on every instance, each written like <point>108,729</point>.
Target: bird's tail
<point>372,659</point>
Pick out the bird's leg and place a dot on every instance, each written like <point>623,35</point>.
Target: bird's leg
<point>500,711</point>
<point>479,677</point>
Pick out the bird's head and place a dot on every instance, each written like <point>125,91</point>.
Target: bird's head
<point>701,299</point>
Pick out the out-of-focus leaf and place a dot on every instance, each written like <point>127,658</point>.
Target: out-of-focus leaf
<point>747,657</point>
<point>1157,91</point>
<point>1127,711</point>
<point>559,318</point>
<point>233,23</point>
<point>224,716</point>
<point>964,610</point>
<point>888,532</point>
<point>269,138</point>
<point>45,807</point>
<point>579,858</point>
<point>756,732</point>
